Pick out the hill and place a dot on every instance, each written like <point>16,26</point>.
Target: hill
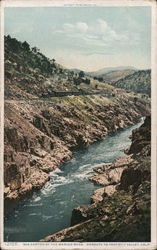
<point>106,70</point>
<point>139,82</point>
<point>116,75</point>
<point>109,74</point>
<point>30,74</point>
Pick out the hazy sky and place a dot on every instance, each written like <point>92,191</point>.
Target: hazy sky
<point>85,38</point>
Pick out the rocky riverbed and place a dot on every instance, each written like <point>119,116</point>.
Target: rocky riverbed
<point>120,210</point>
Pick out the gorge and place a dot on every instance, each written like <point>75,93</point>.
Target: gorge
<point>58,125</point>
<point>50,209</point>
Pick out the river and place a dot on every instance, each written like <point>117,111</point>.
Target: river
<point>49,210</point>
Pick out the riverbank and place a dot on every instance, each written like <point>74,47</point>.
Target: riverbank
<point>49,209</point>
<point>40,135</point>
<point>120,210</point>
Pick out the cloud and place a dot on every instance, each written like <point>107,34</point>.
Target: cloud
<point>98,37</point>
<point>99,31</point>
<point>79,27</point>
<point>109,34</point>
<point>105,29</point>
<point>68,27</point>
<point>83,27</point>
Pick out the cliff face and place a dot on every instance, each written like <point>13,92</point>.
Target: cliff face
<point>40,133</point>
<point>120,210</point>
<point>39,136</point>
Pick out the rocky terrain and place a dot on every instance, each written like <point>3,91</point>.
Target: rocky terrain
<point>39,136</point>
<point>120,209</point>
<point>50,111</point>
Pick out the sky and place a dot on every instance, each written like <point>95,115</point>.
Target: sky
<point>87,38</point>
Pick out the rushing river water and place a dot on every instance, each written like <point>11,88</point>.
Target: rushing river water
<point>49,210</point>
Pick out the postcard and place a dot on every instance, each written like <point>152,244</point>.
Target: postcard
<point>78,124</point>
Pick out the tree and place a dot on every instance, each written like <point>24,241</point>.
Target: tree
<point>53,60</point>
<point>14,44</point>
<point>77,81</point>
<point>87,81</point>
<point>81,74</point>
<point>100,79</point>
<point>35,49</point>
<point>135,99</point>
<point>26,46</point>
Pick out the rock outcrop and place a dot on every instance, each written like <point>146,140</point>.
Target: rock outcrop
<point>120,210</point>
<point>40,138</point>
<point>29,153</point>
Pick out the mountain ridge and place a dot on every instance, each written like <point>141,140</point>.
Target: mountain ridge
<point>109,69</point>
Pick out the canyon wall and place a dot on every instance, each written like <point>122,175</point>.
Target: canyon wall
<point>39,136</point>
<point>120,210</point>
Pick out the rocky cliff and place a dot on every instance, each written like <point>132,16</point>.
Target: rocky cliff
<point>39,136</point>
<point>120,210</point>
<point>40,133</point>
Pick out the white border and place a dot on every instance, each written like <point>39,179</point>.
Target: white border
<point>87,3</point>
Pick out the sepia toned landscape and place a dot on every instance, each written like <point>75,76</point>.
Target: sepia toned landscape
<point>77,140</point>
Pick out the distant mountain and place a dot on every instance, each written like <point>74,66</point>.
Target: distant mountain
<point>103,71</point>
<point>139,82</point>
<point>109,74</point>
<point>116,75</point>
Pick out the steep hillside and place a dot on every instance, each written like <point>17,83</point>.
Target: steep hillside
<point>139,82</point>
<point>29,74</point>
<point>49,111</point>
<point>116,75</point>
<point>120,210</point>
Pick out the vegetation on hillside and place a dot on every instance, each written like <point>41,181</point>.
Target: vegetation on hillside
<point>139,82</point>
<point>30,73</point>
